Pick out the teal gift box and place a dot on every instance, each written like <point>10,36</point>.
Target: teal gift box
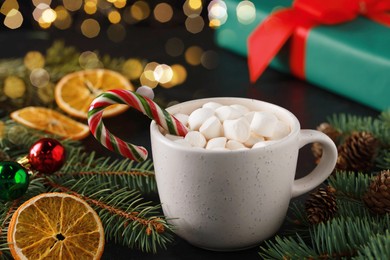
<point>351,59</point>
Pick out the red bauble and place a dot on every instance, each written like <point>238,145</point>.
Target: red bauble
<point>47,155</point>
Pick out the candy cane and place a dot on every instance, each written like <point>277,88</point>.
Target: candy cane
<point>142,104</point>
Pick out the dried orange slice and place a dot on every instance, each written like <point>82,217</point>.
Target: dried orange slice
<point>75,92</point>
<point>51,121</point>
<point>55,226</point>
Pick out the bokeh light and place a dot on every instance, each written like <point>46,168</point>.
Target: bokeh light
<point>246,12</point>
<point>14,87</point>
<point>39,77</point>
<point>34,60</point>
<point>38,11</point>
<point>193,55</point>
<point>114,17</point>
<point>163,12</point>
<point>13,19</point>
<point>90,28</point>
<point>48,16</point>
<point>64,20</point>
<point>89,60</point>
<point>8,5</point>
<point>147,77</point>
<point>132,69</point>
<point>192,7</point>
<point>120,3</point>
<point>163,73</point>
<point>72,5</point>
<point>37,2</point>
<point>103,5</point>
<point>217,12</point>
<point>194,24</point>
<point>174,47</point>
<point>179,75</point>
<point>140,10</point>
<point>90,6</point>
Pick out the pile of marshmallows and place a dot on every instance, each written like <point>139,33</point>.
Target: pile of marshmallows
<point>219,127</point>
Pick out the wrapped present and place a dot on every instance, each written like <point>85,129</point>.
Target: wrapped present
<point>340,45</point>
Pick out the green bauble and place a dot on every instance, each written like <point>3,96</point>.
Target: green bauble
<point>14,180</point>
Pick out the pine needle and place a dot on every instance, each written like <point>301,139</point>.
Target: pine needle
<point>378,247</point>
<point>347,124</point>
<point>350,184</point>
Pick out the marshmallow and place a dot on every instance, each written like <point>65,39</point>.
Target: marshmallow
<point>249,116</point>
<point>227,113</point>
<point>237,129</point>
<point>183,142</point>
<point>264,123</point>
<point>216,143</point>
<point>183,118</point>
<point>263,144</point>
<point>253,139</point>
<point>197,118</point>
<point>212,105</point>
<point>211,128</point>
<point>234,145</point>
<point>242,109</point>
<point>281,130</point>
<point>196,139</point>
<point>173,137</point>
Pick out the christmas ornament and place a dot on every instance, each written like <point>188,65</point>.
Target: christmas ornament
<point>321,205</point>
<point>377,198</point>
<point>47,155</point>
<point>357,153</point>
<point>330,131</point>
<point>14,180</point>
<point>142,104</point>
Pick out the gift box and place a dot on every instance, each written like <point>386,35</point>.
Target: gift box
<point>343,51</point>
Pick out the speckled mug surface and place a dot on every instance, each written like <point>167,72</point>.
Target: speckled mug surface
<point>232,200</point>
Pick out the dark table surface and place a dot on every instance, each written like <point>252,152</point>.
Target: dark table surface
<point>309,103</point>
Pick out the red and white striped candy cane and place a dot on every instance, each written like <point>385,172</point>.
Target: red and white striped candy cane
<point>142,104</point>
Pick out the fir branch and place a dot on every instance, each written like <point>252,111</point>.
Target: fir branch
<point>378,247</point>
<point>287,248</point>
<point>335,239</point>
<point>6,212</point>
<point>383,159</point>
<point>127,219</point>
<point>120,172</point>
<point>17,139</point>
<point>347,124</point>
<point>350,184</point>
<point>385,117</point>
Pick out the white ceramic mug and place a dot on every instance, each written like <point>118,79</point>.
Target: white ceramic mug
<point>232,200</point>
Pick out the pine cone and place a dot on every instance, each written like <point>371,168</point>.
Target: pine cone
<point>321,205</point>
<point>377,198</point>
<point>358,152</point>
<point>330,131</point>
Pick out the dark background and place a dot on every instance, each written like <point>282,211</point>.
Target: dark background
<point>146,40</point>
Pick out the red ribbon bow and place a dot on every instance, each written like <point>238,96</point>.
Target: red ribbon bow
<point>295,22</point>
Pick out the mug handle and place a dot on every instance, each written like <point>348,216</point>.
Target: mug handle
<point>324,168</point>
